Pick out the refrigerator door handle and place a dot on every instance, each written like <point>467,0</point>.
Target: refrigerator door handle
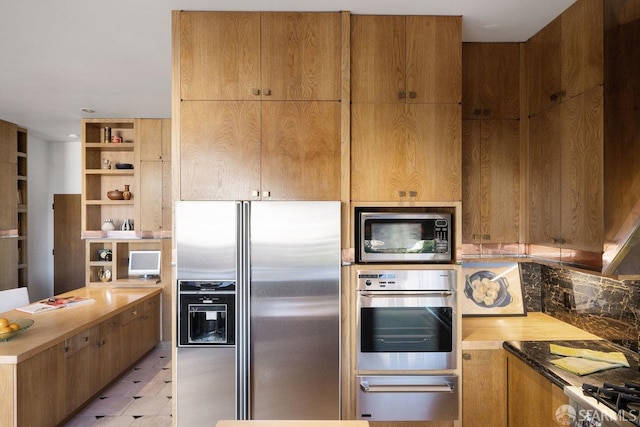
<point>242,306</point>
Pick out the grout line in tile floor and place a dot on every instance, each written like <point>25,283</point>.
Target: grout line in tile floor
<point>141,397</point>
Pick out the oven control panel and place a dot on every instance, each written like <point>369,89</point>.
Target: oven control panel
<point>406,280</point>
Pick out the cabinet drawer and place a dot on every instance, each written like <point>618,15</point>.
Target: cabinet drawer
<point>130,314</point>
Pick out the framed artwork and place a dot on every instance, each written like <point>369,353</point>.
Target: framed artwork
<point>492,289</point>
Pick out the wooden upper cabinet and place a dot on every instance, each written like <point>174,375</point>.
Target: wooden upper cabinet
<point>219,149</point>
<point>491,181</point>
<point>8,146</point>
<point>415,59</point>
<point>566,57</point>
<point>301,56</point>
<point>491,80</point>
<point>253,56</point>
<point>219,55</point>
<point>566,175</point>
<point>406,152</point>
<point>155,139</point>
<point>301,150</point>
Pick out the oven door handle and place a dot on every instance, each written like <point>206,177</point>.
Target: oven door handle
<point>428,294</point>
<point>400,388</point>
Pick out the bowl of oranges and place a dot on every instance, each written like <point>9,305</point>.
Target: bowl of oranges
<point>11,328</point>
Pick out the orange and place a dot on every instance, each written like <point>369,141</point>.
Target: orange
<point>5,329</point>
<point>3,322</point>
<point>14,326</point>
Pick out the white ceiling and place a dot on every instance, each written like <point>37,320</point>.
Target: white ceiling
<point>114,56</point>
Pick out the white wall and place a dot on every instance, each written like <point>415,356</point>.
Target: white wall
<point>53,168</point>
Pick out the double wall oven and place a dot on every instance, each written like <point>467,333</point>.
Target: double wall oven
<point>407,345</point>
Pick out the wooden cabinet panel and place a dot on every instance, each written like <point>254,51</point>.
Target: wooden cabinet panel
<point>8,197</point>
<point>150,195</point>
<point>491,80</point>
<point>582,172</point>
<point>41,391</point>
<point>378,58</point>
<point>582,47</point>
<point>484,388</point>
<point>8,138</point>
<point>545,133</point>
<point>434,59</point>
<point>8,263</point>
<point>301,150</point>
<point>491,181</point>
<point>219,55</point>
<point>415,59</point>
<point>532,399</point>
<point>544,59</point>
<point>566,57</point>
<point>246,56</point>
<point>301,56</point>
<point>219,150</point>
<point>415,149</point>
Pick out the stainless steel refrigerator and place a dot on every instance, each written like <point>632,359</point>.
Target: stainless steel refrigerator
<point>285,259</point>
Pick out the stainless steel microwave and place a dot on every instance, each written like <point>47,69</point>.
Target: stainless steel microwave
<point>399,237</point>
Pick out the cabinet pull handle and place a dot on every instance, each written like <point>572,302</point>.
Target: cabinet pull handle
<point>486,111</point>
<point>477,111</point>
<point>266,92</point>
<point>486,236</point>
<point>255,193</point>
<point>402,95</point>
<point>266,194</point>
<point>255,91</point>
<point>553,97</point>
<point>65,349</point>
<point>402,193</point>
<point>475,237</point>
<point>412,94</point>
<point>413,193</point>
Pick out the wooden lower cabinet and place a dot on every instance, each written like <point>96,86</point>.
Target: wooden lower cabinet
<point>57,381</point>
<point>532,399</point>
<point>484,388</point>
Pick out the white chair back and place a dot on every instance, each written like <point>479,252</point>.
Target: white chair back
<point>13,298</point>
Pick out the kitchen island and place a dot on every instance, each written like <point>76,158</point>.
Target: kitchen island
<point>69,354</point>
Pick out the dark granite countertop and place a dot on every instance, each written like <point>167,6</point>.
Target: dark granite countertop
<point>537,355</point>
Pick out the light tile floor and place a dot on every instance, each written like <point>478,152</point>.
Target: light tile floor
<point>142,397</point>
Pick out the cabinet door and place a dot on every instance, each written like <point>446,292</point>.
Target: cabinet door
<point>471,182</point>
<point>500,181</point>
<point>8,196</point>
<point>434,158</point>
<point>544,58</point>
<point>545,136</point>
<point>434,59</point>
<point>532,399</point>
<point>582,172</point>
<point>8,143</point>
<point>149,137</point>
<point>301,56</point>
<point>41,391</point>
<point>82,378</point>
<point>219,55</point>
<point>150,198</point>
<point>379,150</point>
<point>219,150</point>
<point>377,58</point>
<point>582,47</point>
<point>406,152</point>
<point>9,263</point>
<point>301,150</point>
<point>491,80</point>
<point>484,388</point>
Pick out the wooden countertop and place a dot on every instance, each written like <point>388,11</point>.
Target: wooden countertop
<point>293,423</point>
<point>53,326</point>
<point>490,332</point>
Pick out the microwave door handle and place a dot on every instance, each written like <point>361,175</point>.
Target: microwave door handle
<point>400,388</point>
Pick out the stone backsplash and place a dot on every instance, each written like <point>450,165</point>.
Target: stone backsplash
<point>605,307</point>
